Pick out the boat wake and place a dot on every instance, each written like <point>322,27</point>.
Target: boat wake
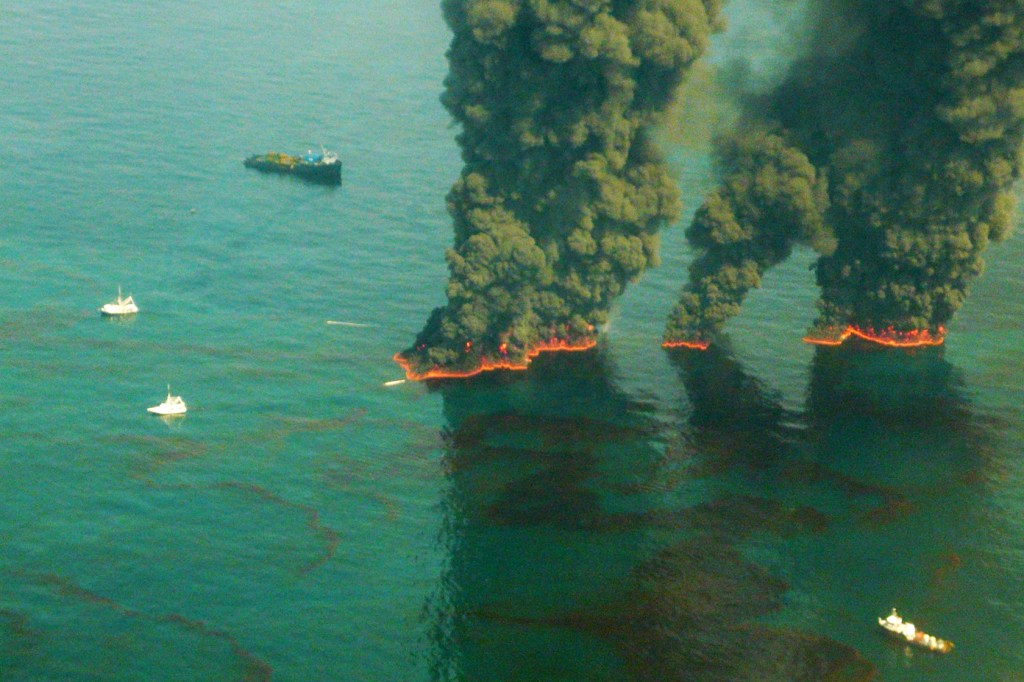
<point>347,324</point>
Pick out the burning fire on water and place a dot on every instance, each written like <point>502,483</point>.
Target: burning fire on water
<point>827,337</point>
<point>692,345</point>
<point>832,337</point>
<point>489,365</point>
<point>890,337</point>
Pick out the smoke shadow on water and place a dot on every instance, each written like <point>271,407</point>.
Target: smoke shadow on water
<point>898,419</point>
<point>733,419</point>
<point>876,423</point>
<point>887,446</point>
<point>582,544</point>
<point>914,388</point>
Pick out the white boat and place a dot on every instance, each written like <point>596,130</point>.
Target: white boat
<point>122,306</point>
<point>173,405</point>
<point>904,629</point>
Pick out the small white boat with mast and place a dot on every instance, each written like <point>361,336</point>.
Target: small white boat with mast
<point>903,629</point>
<point>172,406</point>
<point>122,306</point>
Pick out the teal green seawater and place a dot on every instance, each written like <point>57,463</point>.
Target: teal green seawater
<point>623,514</point>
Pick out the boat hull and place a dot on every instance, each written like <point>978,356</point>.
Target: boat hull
<point>919,639</point>
<point>118,310</point>
<point>166,411</point>
<point>322,173</point>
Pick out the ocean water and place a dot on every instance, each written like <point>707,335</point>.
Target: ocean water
<point>623,514</point>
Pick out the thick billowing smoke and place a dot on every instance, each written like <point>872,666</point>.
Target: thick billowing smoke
<point>891,148</point>
<point>563,191</point>
<point>771,198</point>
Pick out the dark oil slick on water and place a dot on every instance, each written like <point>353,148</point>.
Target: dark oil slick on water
<point>624,513</point>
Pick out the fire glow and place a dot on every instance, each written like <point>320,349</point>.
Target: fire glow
<point>692,345</point>
<point>917,338</point>
<point>489,365</point>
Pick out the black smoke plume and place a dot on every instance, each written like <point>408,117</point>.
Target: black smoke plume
<point>891,148</point>
<point>563,191</point>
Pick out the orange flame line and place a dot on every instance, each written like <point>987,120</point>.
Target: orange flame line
<point>888,337</point>
<point>488,365</point>
<point>692,345</point>
<point>826,342</point>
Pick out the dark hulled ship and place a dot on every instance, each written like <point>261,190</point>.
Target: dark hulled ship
<point>323,166</point>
